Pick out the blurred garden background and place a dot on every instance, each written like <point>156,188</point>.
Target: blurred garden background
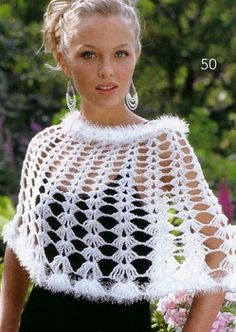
<point>188,68</point>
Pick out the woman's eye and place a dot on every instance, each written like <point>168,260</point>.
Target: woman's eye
<point>89,55</point>
<point>124,53</point>
<point>84,55</point>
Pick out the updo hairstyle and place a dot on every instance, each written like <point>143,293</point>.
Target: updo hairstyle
<point>62,17</point>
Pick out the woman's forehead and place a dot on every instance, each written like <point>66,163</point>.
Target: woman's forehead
<point>98,30</point>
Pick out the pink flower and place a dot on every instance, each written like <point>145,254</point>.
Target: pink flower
<point>224,322</point>
<point>175,308</point>
<point>36,127</point>
<point>225,199</point>
<point>230,296</point>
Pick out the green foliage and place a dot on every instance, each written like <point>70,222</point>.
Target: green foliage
<point>231,308</point>
<point>169,78</point>
<point>27,11</point>
<point>158,322</point>
<point>177,36</point>
<point>5,11</point>
<point>7,210</point>
<point>29,95</point>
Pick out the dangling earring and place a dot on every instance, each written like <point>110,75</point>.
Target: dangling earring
<point>71,97</point>
<point>132,101</point>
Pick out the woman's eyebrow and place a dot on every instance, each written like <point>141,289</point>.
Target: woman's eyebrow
<point>92,46</point>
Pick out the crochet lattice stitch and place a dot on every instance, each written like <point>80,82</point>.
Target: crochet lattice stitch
<point>120,213</point>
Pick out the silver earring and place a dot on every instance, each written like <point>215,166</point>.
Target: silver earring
<point>132,100</point>
<point>71,97</point>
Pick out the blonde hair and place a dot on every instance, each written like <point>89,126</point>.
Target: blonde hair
<point>62,16</point>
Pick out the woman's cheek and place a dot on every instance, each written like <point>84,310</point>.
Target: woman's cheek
<point>127,69</point>
<point>80,76</point>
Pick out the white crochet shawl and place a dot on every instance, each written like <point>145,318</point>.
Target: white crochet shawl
<point>120,213</point>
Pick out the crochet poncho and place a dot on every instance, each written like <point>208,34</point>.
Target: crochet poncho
<point>120,213</point>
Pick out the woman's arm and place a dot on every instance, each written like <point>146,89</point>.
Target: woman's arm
<point>207,219</point>
<point>203,312</point>
<point>15,282</point>
<point>205,307</point>
<point>14,286</point>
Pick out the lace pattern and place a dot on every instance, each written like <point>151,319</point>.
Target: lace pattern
<point>120,214</point>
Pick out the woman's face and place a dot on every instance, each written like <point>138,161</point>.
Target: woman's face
<point>102,50</point>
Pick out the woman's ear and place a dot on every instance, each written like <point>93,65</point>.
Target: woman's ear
<point>61,60</point>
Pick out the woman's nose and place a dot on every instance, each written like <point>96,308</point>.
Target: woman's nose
<point>105,69</point>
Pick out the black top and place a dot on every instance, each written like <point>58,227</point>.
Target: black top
<point>108,249</point>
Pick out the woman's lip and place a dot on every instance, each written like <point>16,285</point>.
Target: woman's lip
<point>106,86</point>
<point>107,91</point>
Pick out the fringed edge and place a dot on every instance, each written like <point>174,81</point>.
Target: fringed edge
<point>9,232</point>
<point>170,121</point>
<point>69,119</point>
<point>77,125</point>
<point>126,293</point>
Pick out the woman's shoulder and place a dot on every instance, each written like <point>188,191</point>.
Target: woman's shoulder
<point>77,127</point>
<point>45,135</point>
<point>172,122</point>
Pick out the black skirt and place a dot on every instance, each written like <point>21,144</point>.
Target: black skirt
<point>52,312</point>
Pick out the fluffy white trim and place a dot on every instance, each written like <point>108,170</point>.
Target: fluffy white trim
<point>127,292</point>
<point>77,125</point>
<point>173,122</point>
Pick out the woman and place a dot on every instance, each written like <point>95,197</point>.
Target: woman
<point>92,229</point>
